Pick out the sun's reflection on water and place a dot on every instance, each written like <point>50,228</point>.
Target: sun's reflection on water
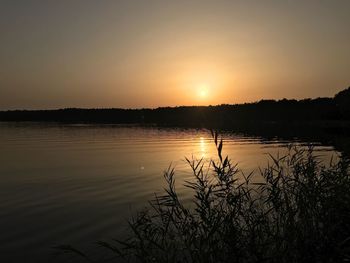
<point>203,147</point>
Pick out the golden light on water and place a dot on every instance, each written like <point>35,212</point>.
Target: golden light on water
<point>203,147</point>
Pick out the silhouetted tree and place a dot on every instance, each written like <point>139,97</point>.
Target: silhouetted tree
<point>342,100</point>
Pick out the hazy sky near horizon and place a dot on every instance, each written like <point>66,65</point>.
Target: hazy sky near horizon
<point>135,54</point>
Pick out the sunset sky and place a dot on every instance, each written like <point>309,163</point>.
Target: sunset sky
<point>135,54</point>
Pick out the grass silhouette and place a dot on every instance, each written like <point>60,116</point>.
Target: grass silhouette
<point>298,212</point>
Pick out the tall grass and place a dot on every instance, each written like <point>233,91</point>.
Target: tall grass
<point>298,212</point>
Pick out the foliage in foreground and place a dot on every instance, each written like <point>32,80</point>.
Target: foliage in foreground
<point>298,212</point>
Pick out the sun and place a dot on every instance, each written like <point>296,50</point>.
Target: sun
<point>203,93</point>
<point>203,90</point>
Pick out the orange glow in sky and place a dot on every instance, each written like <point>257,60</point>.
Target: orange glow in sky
<point>135,54</point>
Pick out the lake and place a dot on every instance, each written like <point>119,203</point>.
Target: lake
<point>76,184</point>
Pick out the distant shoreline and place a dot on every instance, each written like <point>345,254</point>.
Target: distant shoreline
<point>323,119</point>
<point>321,113</point>
<point>319,110</point>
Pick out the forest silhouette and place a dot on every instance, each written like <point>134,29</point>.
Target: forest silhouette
<point>326,112</point>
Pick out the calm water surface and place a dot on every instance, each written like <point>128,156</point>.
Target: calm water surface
<point>77,184</point>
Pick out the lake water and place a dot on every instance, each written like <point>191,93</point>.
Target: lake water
<point>76,184</point>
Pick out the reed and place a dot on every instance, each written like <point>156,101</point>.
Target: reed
<point>298,212</point>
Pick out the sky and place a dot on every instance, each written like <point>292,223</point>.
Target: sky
<point>136,54</point>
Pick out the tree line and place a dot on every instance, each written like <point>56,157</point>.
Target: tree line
<point>336,109</point>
